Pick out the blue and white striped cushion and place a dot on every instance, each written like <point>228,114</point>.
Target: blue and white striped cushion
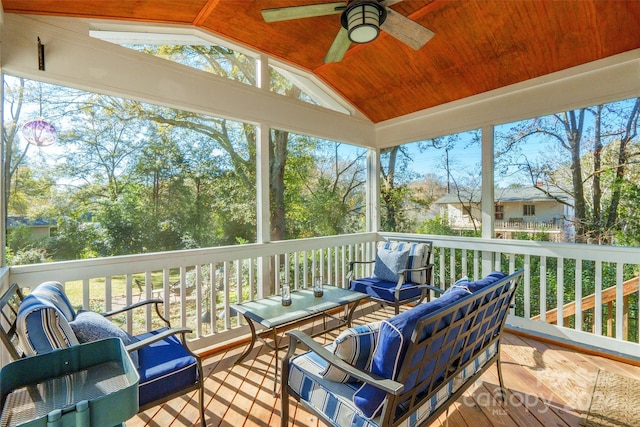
<point>53,293</point>
<point>42,327</point>
<point>355,346</point>
<point>329,397</point>
<point>43,320</point>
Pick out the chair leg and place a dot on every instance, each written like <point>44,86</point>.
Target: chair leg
<point>201,396</point>
<point>284,403</point>
<point>201,393</point>
<point>503,391</point>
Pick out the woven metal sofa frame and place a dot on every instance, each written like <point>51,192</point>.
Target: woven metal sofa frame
<point>9,307</point>
<point>448,351</point>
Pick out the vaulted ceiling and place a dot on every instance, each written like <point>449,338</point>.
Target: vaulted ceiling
<point>479,45</point>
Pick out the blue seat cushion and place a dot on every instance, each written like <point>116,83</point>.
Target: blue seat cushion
<point>165,367</point>
<point>385,290</point>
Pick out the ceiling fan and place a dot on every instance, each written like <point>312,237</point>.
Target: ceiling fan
<point>361,22</point>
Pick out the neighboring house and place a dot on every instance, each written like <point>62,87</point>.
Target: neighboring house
<point>516,210</point>
<point>40,228</point>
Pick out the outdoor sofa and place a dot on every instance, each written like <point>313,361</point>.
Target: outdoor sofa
<point>407,370</point>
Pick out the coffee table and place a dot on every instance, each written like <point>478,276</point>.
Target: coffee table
<point>272,315</point>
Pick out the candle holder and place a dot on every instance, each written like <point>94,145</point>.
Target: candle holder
<point>317,286</point>
<point>286,294</point>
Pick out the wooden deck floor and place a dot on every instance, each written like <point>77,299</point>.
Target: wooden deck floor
<point>547,385</point>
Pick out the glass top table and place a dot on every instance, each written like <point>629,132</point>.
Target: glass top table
<point>271,314</point>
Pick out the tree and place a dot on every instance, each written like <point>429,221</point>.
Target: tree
<point>329,184</point>
<point>593,174</point>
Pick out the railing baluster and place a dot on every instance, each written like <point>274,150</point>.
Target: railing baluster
<point>597,309</point>
<point>476,264</point>
<point>108,295</point>
<point>442,264</point>
<point>452,266</point>
<point>183,296</point>
<point>578,293</point>
<point>543,289</point>
<point>296,272</point>
<point>227,297</point>
<point>464,271</point>
<point>560,292</point>
<point>527,286</point>
<point>198,298</point>
<point>619,303</point>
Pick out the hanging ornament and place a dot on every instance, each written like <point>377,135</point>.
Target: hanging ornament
<point>39,132</point>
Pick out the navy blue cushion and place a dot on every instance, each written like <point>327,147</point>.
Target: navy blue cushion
<point>165,367</point>
<point>486,281</point>
<point>393,340</point>
<point>384,290</point>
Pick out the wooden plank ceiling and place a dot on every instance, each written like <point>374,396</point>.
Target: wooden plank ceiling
<point>480,45</point>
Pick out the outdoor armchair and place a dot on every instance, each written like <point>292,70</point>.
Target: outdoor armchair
<point>45,320</point>
<point>402,273</point>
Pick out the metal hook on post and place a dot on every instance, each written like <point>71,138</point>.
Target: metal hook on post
<point>40,55</point>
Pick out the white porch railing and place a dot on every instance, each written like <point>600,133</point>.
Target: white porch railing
<point>201,284</point>
<point>511,225</point>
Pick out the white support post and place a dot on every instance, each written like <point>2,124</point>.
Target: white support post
<point>262,210</point>
<point>488,203</point>
<point>373,190</point>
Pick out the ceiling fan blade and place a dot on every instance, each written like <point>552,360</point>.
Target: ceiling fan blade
<point>307,11</point>
<point>339,47</point>
<point>407,31</point>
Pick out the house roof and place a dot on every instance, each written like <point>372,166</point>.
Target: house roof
<point>479,45</point>
<point>16,221</point>
<point>507,195</point>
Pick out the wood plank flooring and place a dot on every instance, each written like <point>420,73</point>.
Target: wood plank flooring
<point>548,385</point>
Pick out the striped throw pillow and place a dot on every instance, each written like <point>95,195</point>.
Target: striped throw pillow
<point>355,346</point>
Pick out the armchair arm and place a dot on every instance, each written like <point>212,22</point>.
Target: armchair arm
<point>158,337</point>
<point>385,384</point>
<point>427,267</point>
<point>139,304</point>
<point>352,264</point>
<point>433,288</point>
<point>132,306</point>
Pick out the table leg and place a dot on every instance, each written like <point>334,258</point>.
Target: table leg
<point>275,374</point>
<point>251,344</point>
<point>351,311</point>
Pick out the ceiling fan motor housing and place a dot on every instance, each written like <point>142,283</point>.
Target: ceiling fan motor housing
<point>362,19</point>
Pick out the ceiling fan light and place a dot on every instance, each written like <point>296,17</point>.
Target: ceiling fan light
<point>363,21</point>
